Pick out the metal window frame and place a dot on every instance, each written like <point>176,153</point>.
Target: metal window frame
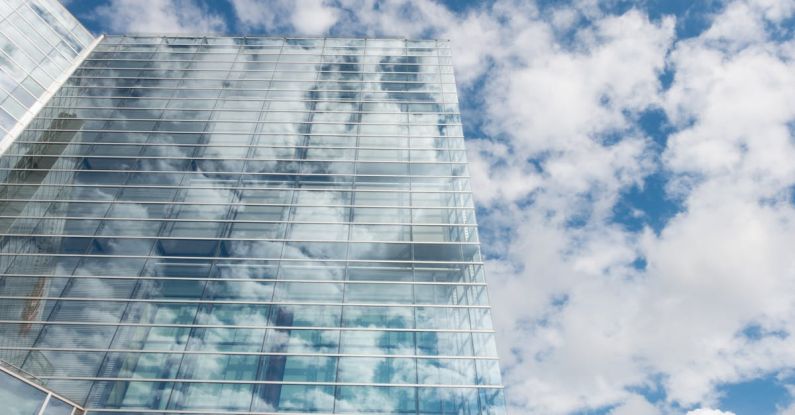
<point>303,160</point>
<point>320,71</point>
<point>269,111</point>
<point>245,327</point>
<point>242,173</point>
<point>234,221</point>
<point>227,279</point>
<point>266,90</point>
<point>391,191</point>
<point>266,382</point>
<point>248,134</point>
<point>269,99</point>
<point>246,259</point>
<point>196,203</point>
<point>154,238</point>
<point>276,122</point>
<point>259,353</point>
<point>277,62</point>
<point>236,302</point>
<point>317,81</point>
<point>245,146</point>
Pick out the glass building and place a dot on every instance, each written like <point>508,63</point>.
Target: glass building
<point>248,225</point>
<point>39,42</point>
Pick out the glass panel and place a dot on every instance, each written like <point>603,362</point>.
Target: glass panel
<point>383,317</point>
<point>382,400</point>
<point>19,397</point>
<point>212,396</point>
<point>294,398</point>
<point>299,368</point>
<point>377,342</point>
<point>37,45</point>
<point>57,407</point>
<point>446,371</point>
<point>377,370</point>
<point>448,401</point>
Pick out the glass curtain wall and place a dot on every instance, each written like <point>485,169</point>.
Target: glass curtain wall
<point>249,225</point>
<point>39,41</point>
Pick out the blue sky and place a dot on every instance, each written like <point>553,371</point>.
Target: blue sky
<point>633,167</point>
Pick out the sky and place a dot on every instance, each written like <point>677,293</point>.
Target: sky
<point>633,165</point>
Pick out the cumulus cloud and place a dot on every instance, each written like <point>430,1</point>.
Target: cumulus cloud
<point>158,16</point>
<point>636,405</point>
<point>709,412</point>
<point>309,17</point>
<point>314,17</point>
<point>716,268</point>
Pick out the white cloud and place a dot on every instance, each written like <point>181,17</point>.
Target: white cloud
<point>717,267</point>
<point>158,16</point>
<point>636,405</point>
<point>255,14</point>
<point>709,412</point>
<point>308,17</point>
<point>314,17</point>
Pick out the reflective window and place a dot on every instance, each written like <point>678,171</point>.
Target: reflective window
<point>20,397</point>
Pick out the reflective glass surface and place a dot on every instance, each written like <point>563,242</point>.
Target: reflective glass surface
<point>21,397</point>
<point>39,41</point>
<point>233,225</point>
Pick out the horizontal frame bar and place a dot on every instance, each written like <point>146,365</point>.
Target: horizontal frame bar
<point>227,238</point>
<point>268,99</point>
<point>241,353</point>
<point>313,160</point>
<point>233,221</point>
<point>266,382</point>
<point>225,279</point>
<point>246,259</point>
<point>245,146</point>
<point>243,326</point>
<point>245,188</point>
<point>239,302</point>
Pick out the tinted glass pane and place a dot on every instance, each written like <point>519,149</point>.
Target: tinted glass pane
<point>19,397</point>
<point>57,407</point>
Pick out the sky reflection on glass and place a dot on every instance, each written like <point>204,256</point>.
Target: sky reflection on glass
<point>249,224</point>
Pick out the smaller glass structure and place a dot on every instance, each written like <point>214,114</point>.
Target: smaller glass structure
<point>20,396</point>
<point>39,42</point>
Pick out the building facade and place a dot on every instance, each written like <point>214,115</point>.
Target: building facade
<point>237,225</point>
<point>39,43</point>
